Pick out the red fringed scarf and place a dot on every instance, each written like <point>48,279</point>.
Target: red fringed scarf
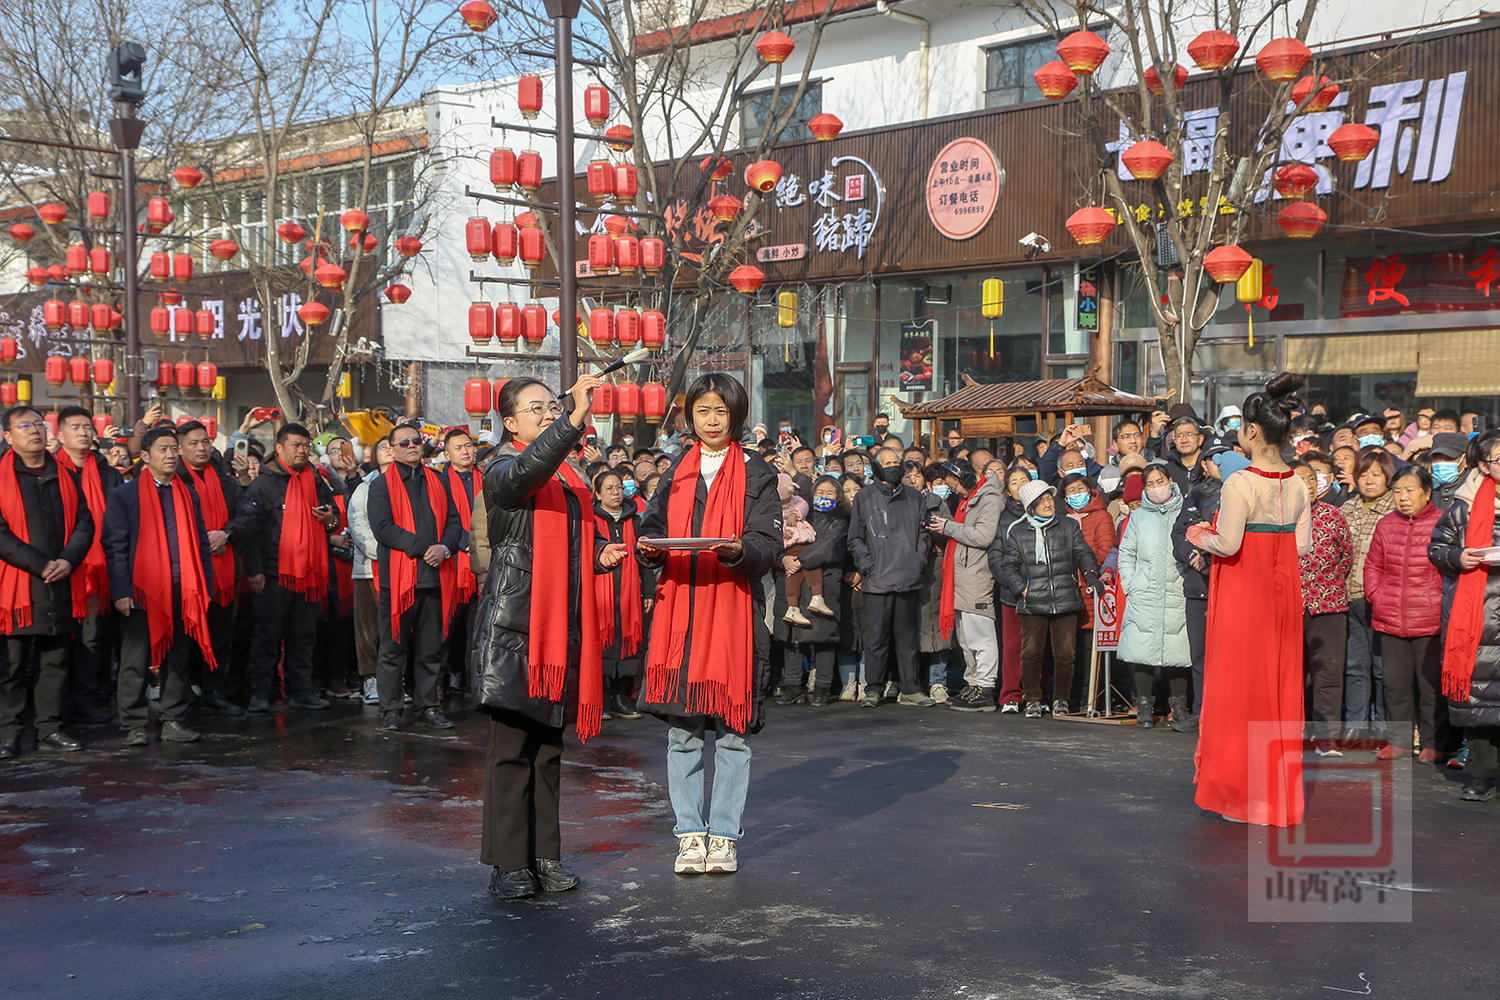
<point>302,554</point>
<point>468,584</point>
<point>945,608</point>
<point>720,663</point>
<point>15,583</point>
<point>631,618</point>
<point>95,571</point>
<point>1466,617</point>
<point>550,617</point>
<point>344,571</point>
<point>402,568</point>
<point>215,516</point>
<point>151,577</point>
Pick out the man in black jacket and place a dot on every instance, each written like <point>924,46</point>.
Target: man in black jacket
<point>890,547</point>
<point>458,448</point>
<point>34,657</point>
<point>283,616</point>
<point>200,468</point>
<point>430,540</point>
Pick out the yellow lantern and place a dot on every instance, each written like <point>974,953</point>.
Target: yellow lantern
<point>221,388</point>
<point>1248,290</point>
<point>346,386</point>
<point>23,390</point>
<point>786,308</point>
<point>993,305</point>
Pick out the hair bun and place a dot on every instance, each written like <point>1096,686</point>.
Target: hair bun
<point>1284,385</point>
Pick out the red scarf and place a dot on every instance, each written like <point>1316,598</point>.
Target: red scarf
<point>215,516</point>
<point>945,608</point>
<point>152,575</point>
<point>550,620</point>
<point>468,584</point>
<point>302,555</point>
<point>631,618</point>
<point>15,582</point>
<point>402,568</point>
<point>720,663</point>
<point>95,570</point>
<point>1466,617</point>
<point>344,571</point>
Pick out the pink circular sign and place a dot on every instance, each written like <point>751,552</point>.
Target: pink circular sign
<point>963,187</point>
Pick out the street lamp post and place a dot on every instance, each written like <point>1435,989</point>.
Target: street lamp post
<point>562,13</point>
<point>127,62</point>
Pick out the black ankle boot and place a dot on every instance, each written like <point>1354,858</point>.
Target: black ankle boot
<point>1182,716</point>
<point>1143,707</point>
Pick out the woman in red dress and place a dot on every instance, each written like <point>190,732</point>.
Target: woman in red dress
<point>1252,677</point>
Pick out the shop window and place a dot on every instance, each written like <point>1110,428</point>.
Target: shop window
<point>757,109</point>
<point>1008,71</point>
<point>1459,276</point>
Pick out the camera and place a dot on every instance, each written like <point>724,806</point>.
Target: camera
<point>1035,243</point>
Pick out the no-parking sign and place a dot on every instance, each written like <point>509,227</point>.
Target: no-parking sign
<point>1109,608</point>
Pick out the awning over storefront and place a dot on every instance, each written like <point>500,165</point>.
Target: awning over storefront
<point>1351,354</point>
<point>990,409</point>
<point>1459,363</point>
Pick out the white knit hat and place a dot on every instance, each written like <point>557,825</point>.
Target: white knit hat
<point>1033,491</point>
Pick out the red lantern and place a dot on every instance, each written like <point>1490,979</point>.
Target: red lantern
<point>22,233</point>
<point>726,207</point>
<point>8,394</point>
<point>187,176</point>
<point>208,376</point>
<point>533,247</point>
<point>774,47</point>
<point>653,328</point>
<point>76,259</point>
<point>596,106</point>
<point>1283,58</point>
<point>1301,220</point>
<point>290,233</point>
<point>183,419</point>
<point>601,252</point>
<point>161,321</point>
<point>224,250</point>
<point>1295,180</point>
<point>1227,263</point>
<point>37,275</point>
<point>56,370</point>
<point>1146,160</point>
<point>314,313</point>
<point>1322,100</point>
<point>717,167</point>
<point>159,214</point>
<point>508,323</point>
<point>1153,79</point>
<point>481,323</point>
<point>55,314</point>
<point>628,328</point>
<point>330,275</point>
<point>10,347</point>
<point>477,15</point>
<point>78,315</point>
<point>397,293</point>
<point>503,169</point>
<point>204,324</point>
<point>1213,49</point>
<point>825,127</point>
<point>98,205</point>
<point>530,96</point>
<point>102,422</point>
<point>104,371</point>
<point>78,371</point>
<point>1055,80</point>
<point>763,176</point>
<point>526,221</point>
<point>654,400</point>
<point>627,399</point>
<point>1352,142</point>
<point>623,136</point>
<point>618,225</point>
<point>408,246</point>
<point>602,327</point>
<point>747,278</point>
<point>182,266</point>
<point>100,261</point>
<point>499,386</point>
<point>477,397</point>
<point>603,404</point>
<point>1090,226</point>
<point>99,317</point>
<point>169,296</point>
<point>1082,52</point>
<point>210,426</point>
<point>529,170</point>
<point>355,221</point>
<point>366,245</point>
<point>53,213</point>
<point>163,374</point>
<point>653,255</point>
<point>601,180</point>
<point>477,238</point>
<point>183,372</point>
<point>505,242</point>
<point>161,265</point>
<point>57,273</point>
<point>628,254</point>
<point>533,324</point>
<point>625,184</point>
<point>182,323</point>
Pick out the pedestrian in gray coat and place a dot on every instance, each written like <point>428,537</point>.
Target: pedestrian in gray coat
<point>968,585</point>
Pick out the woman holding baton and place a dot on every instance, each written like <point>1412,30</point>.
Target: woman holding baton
<point>709,643</point>
<point>535,654</point>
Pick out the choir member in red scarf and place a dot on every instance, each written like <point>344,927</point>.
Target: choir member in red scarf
<point>218,496</point>
<point>283,521</point>
<point>46,532</point>
<point>624,596</point>
<point>161,577</point>
<point>94,643</point>
<point>709,639</point>
<point>458,446</point>
<point>413,518</point>
<point>968,594</point>
<point>536,660</point>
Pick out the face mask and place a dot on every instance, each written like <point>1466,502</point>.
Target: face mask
<point>1445,472</point>
<point>1159,494</point>
<point>889,473</point>
<point>629,441</point>
<point>629,487</point>
<point>882,428</point>
<point>1233,424</point>
<point>1032,473</point>
<point>1320,482</point>
<point>1043,521</point>
<point>825,504</point>
<point>1371,441</point>
<point>941,490</point>
<point>1078,501</point>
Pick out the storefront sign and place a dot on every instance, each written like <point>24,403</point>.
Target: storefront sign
<point>1088,298</point>
<point>916,354</point>
<point>963,186</point>
<point>787,251</point>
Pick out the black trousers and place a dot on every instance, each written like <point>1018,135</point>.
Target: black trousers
<point>36,665</point>
<point>1324,642</point>
<point>421,636</point>
<point>1197,630</point>
<point>1484,752</point>
<point>284,619</point>
<point>823,655</point>
<point>1412,670</point>
<point>522,772</point>
<point>892,625</point>
<point>135,670</point>
<point>93,656</point>
<point>456,646</point>
<point>221,638</point>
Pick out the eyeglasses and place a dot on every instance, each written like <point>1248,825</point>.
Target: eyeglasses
<point>28,426</point>
<point>407,443</point>
<point>537,409</point>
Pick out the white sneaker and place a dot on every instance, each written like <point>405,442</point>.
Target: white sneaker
<point>938,693</point>
<point>722,858</point>
<point>1011,708</point>
<point>370,696</point>
<point>692,854</point>
<point>850,692</point>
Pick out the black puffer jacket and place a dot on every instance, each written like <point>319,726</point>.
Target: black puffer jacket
<point>258,516</point>
<point>41,495</point>
<point>1447,545</point>
<point>1048,586</point>
<point>500,623</point>
<point>1010,514</point>
<point>1202,504</point>
<point>825,556</point>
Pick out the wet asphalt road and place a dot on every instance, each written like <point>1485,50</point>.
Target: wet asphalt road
<point>889,853</point>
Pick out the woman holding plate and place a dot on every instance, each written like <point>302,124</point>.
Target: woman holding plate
<point>713,529</point>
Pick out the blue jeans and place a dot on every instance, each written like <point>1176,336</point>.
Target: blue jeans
<point>849,667</point>
<point>937,667</point>
<point>1364,694</point>
<point>685,777</point>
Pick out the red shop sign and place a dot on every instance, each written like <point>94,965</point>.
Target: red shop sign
<point>963,187</point>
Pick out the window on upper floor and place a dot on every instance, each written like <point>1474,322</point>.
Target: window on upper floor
<point>757,108</point>
<point>1008,70</point>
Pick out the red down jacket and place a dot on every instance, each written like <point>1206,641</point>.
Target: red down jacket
<point>1404,589</point>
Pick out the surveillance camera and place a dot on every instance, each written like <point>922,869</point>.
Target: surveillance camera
<point>1035,244</point>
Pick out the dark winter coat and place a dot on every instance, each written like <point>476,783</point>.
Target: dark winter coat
<point>1200,506</point>
<point>762,543</point>
<point>930,639</point>
<point>1049,586</point>
<point>888,538</point>
<point>122,530</point>
<point>851,605</point>
<point>825,556</point>
<point>257,520</point>
<point>428,532</point>
<point>1402,586</point>
<point>1010,514</point>
<point>1483,706</point>
<point>51,603</point>
<point>615,530</point>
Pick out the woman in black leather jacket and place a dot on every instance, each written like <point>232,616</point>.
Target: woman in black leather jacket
<point>521,837</point>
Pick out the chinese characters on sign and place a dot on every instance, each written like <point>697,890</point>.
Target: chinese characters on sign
<point>963,187</point>
<point>1088,299</point>
<point>1414,283</point>
<point>835,231</point>
<point>787,251</point>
